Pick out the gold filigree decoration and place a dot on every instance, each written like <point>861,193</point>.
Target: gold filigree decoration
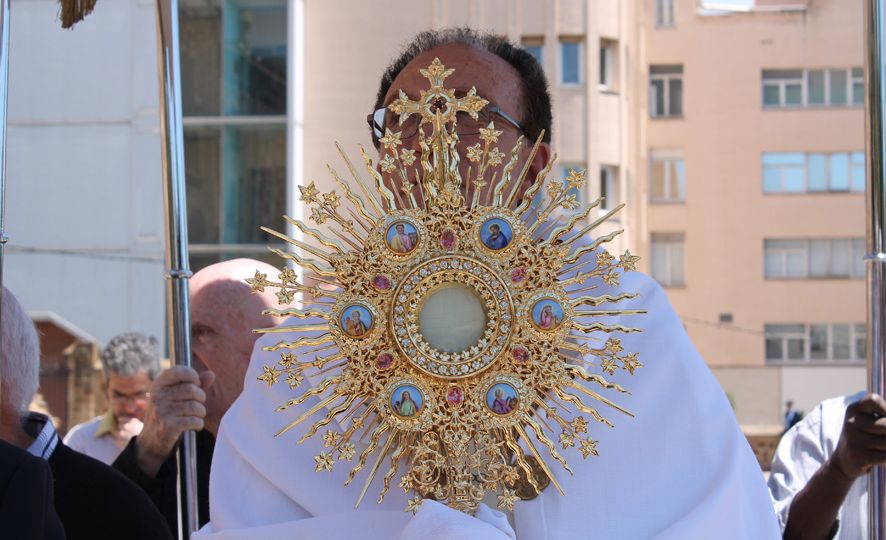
<point>455,420</point>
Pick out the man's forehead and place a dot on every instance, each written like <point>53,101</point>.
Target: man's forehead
<point>472,67</point>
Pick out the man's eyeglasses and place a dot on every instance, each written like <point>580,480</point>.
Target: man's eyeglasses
<point>383,119</point>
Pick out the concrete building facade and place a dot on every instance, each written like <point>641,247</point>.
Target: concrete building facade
<point>760,243</point>
<point>84,199</point>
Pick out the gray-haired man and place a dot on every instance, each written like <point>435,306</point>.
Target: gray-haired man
<point>92,500</point>
<point>130,362</point>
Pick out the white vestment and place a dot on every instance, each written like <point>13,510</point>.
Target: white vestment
<point>680,469</point>
<point>803,450</point>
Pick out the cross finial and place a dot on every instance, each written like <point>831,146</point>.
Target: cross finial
<point>438,102</point>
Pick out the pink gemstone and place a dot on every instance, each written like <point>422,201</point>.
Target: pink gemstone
<point>518,275</point>
<point>455,396</point>
<point>520,354</point>
<point>381,282</point>
<point>447,239</point>
<point>384,361</point>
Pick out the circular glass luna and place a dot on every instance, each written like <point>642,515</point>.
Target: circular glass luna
<point>452,318</point>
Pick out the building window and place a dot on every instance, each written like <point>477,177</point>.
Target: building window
<point>570,61</point>
<point>535,47</point>
<point>857,86</point>
<point>667,254</point>
<point>665,91</point>
<point>234,105</point>
<point>814,343</point>
<point>797,172</point>
<point>609,191</point>
<point>813,87</point>
<point>664,13</point>
<point>608,64</point>
<point>813,258</point>
<point>667,174</point>
<point>782,87</point>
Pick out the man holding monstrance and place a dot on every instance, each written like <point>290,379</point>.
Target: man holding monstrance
<point>511,330</point>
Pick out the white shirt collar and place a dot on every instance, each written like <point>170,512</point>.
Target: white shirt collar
<point>40,427</point>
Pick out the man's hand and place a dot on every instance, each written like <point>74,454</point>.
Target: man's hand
<point>863,441</point>
<point>176,406</point>
<point>813,513</point>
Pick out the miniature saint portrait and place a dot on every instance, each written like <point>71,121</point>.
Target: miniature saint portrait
<point>547,315</point>
<point>502,399</point>
<point>406,401</point>
<point>401,237</point>
<point>356,321</point>
<point>496,234</point>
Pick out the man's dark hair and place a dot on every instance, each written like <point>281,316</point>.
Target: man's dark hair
<point>536,112</point>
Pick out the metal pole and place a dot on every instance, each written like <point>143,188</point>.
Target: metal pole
<point>4,95</point>
<point>875,99</point>
<point>177,309</point>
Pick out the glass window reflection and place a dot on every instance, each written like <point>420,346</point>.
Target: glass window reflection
<point>233,57</point>
<point>234,104</point>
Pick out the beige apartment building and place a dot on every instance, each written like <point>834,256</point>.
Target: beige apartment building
<point>735,136</point>
<point>752,205</point>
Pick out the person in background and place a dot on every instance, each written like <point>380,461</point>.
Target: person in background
<point>26,505</point>
<point>91,499</point>
<point>818,481</point>
<point>791,415</point>
<point>130,362</point>
<point>224,313</point>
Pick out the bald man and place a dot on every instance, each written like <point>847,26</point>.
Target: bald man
<point>224,313</point>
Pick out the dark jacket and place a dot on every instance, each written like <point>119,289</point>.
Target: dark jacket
<point>95,501</point>
<point>26,509</point>
<point>161,489</point>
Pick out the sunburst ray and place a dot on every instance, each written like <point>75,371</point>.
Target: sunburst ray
<point>313,392</point>
<point>395,460</point>
<point>326,420</point>
<point>310,412</point>
<point>515,191</point>
<point>596,378</point>
<point>301,245</point>
<point>594,301</point>
<point>356,201</point>
<point>331,243</point>
<point>541,462</point>
<point>535,187</point>
<point>359,181</point>
<point>298,313</point>
<point>580,405</point>
<point>375,466</point>
<point>543,439</point>
<point>370,448</point>
<point>520,460</point>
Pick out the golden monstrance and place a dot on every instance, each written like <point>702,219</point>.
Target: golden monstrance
<point>455,323</point>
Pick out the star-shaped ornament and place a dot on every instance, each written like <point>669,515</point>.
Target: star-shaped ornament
<point>270,375</point>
